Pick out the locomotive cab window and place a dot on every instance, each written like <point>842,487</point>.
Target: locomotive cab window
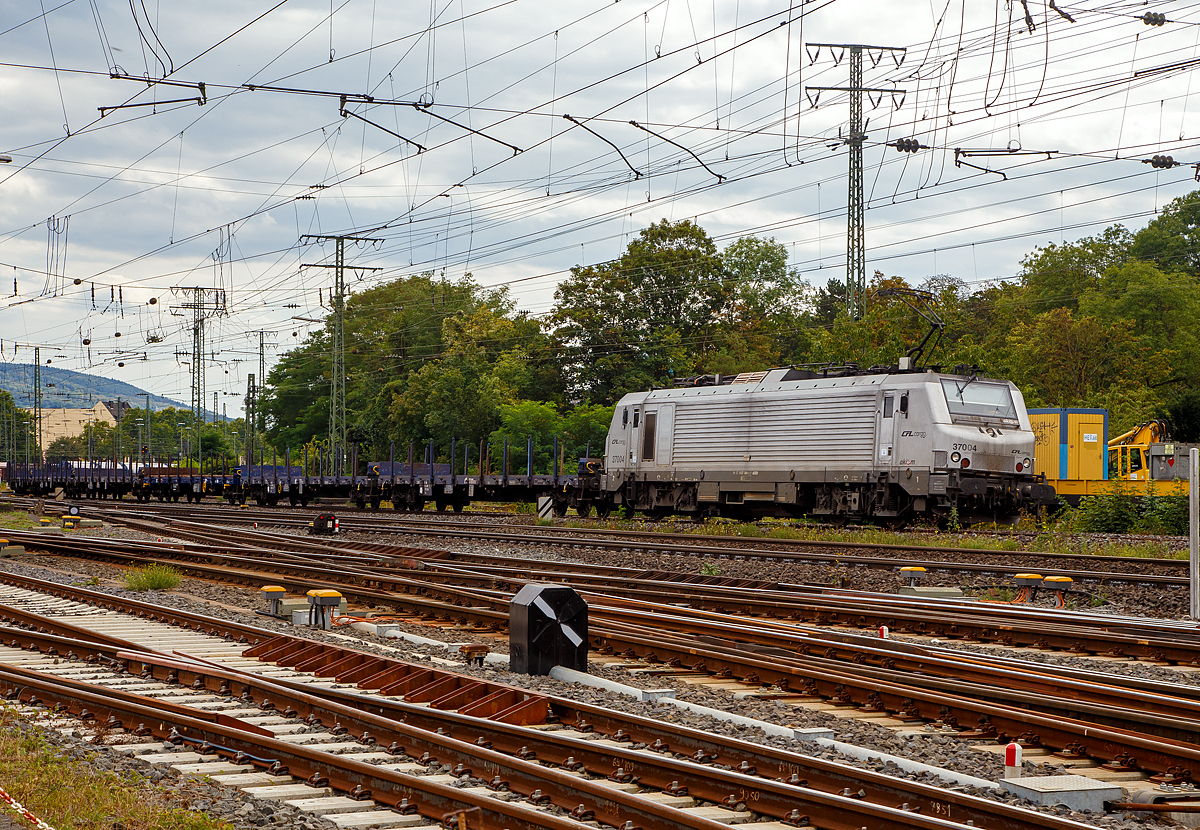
<point>636,412</point>
<point>888,402</point>
<point>648,436</point>
<point>974,401</point>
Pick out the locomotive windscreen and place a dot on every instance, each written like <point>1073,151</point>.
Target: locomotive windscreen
<point>976,399</point>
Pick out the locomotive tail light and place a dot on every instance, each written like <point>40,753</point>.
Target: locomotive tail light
<point>954,456</point>
<point>966,462</point>
<point>1020,466</point>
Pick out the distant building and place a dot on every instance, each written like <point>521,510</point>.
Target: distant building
<point>72,423</point>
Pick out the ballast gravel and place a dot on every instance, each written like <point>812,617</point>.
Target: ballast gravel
<point>241,604</point>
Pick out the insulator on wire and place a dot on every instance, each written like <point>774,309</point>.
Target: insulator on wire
<point>1161,162</point>
<point>1154,18</point>
<point>907,145</point>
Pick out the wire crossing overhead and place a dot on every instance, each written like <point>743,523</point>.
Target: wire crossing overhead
<point>856,257</point>
<point>338,448</point>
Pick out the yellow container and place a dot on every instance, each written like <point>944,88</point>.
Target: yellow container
<point>1070,444</point>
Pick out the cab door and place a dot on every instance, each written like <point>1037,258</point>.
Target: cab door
<point>635,436</point>
<point>889,429</point>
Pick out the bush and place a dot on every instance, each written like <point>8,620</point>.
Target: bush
<point>152,578</point>
<point>1123,511</point>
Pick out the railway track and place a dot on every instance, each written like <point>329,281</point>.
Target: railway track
<point>476,589</point>
<point>1082,569</point>
<point>724,629</point>
<point>314,725</point>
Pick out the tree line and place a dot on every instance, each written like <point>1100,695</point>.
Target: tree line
<point>1106,321</point>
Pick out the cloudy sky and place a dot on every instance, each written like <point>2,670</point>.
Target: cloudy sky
<point>224,139</point>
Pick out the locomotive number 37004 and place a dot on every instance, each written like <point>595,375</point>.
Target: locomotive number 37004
<point>967,447</point>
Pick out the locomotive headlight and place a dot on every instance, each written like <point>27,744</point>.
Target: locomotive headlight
<point>955,456</point>
<point>1027,462</point>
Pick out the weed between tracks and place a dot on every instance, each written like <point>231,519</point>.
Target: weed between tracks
<point>69,793</point>
<point>152,578</point>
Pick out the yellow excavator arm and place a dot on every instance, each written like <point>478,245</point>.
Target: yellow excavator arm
<point>1151,432</point>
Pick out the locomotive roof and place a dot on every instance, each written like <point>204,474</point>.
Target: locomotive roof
<point>788,374</point>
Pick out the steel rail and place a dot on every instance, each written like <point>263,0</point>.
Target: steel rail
<point>605,636</point>
<point>407,793</point>
<point>353,521</point>
<point>1126,623</point>
<point>488,609</point>
<point>793,640</point>
<point>394,721</point>
<point>874,562</point>
<point>420,596</point>
<point>659,770</point>
<point>1122,748</point>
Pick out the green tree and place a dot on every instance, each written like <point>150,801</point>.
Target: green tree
<point>646,317</point>
<point>444,401</point>
<point>66,448</point>
<point>585,429</point>
<point>518,423</point>
<point>1057,275</point>
<point>1172,239</point>
<point>1060,359</point>
<point>767,321</point>
<point>394,331</point>
<point>14,429</point>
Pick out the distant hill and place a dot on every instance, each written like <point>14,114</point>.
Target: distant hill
<point>72,390</point>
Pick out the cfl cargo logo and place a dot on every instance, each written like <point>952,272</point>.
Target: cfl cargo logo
<point>908,433</point>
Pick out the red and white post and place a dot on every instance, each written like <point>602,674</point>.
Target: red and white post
<point>1012,761</point>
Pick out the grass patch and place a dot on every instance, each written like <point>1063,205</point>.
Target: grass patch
<point>68,793</point>
<point>17,520</point>
<point>152,578</point>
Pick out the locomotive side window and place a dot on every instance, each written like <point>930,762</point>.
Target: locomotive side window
<point>648,436</point>
<point>636,412</point>
<point>887,406</point>
<point>974,399</point>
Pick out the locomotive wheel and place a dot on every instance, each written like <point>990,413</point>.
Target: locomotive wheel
<point>458,507</point>
<point>657,514</point>
<point>584,509</point>
<point>603,509</point>
<point>560,508</point>
<point>375,503</point>
<point>441,506</point>
<point>361,504</point>
<point>303,502</point>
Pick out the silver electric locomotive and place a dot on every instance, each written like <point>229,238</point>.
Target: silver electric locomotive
<point>888,446</point>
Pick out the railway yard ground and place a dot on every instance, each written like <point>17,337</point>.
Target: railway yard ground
<point>756,675</point>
